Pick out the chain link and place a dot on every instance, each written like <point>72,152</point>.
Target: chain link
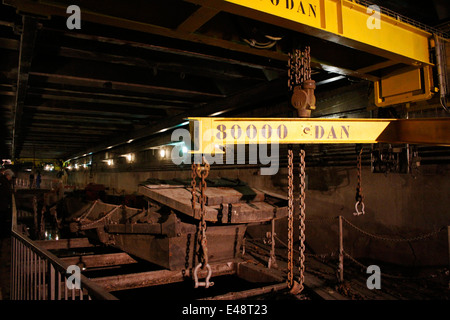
<point>194,168</point>
<point>203,173</point>
<point>299,64</point>
<point>359,196</point>
<point>299,71</point>
<point>301,258</point>
<point>290,217</point>
<point>421,237</point>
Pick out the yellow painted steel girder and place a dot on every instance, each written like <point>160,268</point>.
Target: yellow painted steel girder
<point>340,21</point>
<point>209,133</point>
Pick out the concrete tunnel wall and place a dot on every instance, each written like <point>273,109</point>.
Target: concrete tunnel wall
<point>396,206</point>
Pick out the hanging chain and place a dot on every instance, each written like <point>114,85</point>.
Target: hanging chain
<point>299,71</point>
<point>301,226</point>
<point>290,217</point>
<point>299,64</point>
<point>194,168</point>
<point>359,196</point>
<point>306,63</point>
<point>203,172</point>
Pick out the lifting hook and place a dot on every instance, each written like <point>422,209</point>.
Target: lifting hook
<point>206,283</point>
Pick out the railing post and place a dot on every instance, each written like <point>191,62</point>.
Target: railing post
<point>39,281</point>
<point>448,236</point>
<point>341,251</point>
<point>12,276</point>
<point>51,284</point>
<point>58,288</point>
<point>272,258</point>
<point>44,273</point>
<point>35,276</point>
<point>21,271</point>
<point>27,273</point>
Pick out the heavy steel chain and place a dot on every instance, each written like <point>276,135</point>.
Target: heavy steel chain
<point>296,287</point>
<point>202,171</point>
<point>194,168</point>
<point>299,64</point>
<point>301,226</point>
<point>299,72</point>
<point>290,217</point>
<point>306,63</point>
<point>359,196</point>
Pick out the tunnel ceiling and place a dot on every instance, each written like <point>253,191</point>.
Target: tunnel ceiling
<point>136,68</point>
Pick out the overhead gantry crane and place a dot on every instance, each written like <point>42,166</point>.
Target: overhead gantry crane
<point>411,63</point>
<point>416,52</point>
<point>413,68</point>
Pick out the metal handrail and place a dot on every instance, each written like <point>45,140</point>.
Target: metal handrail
<point>93,290</point>
<point>402,18</point>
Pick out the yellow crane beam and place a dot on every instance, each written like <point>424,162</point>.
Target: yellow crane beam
<point>210,134</point>
<point>364,28</point>
<point>340,21</point>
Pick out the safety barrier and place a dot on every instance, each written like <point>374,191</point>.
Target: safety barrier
<point>342,254</point>
<point>403,18</point>
<point>37,274</point>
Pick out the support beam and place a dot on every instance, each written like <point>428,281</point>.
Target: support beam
<point>64,243</point>
<point>377,66</point>
<point>26,48</point>
<point>344,22</point>
<point>189,64</point>
<point>100,260</point>
<point>197,19</point>
<point>120,85</point>
<point>154,278</point>
<point>211,134</point>
<point>57,9</point>
<point>250,293</point>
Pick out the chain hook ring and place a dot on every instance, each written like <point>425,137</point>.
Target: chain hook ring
<point>358,213</point>
<point>205,283</point>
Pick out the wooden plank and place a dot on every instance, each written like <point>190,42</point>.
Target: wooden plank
<point>103,260</point>
<point>274,194</point>
<point>249,293</point>
<point>321,289</point>
<point>175,198</point>
<point>64,243</point>
<point>256,273</point>
<point>215,196</point>
<point>242,212</point>
<point>160,277</point>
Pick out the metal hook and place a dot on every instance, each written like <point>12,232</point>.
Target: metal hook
<point>206,283</point>
<point>357,213</point>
